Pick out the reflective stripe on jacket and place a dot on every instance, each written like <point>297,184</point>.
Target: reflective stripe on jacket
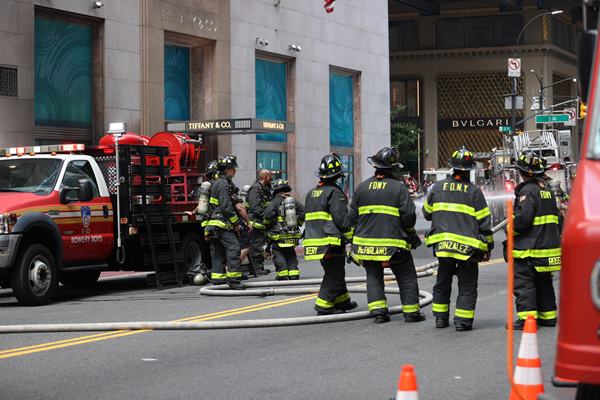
<point>222,211</point>
<point>381,212</point>
<point>537,232</point>
<point>326,220</point>
<point>461,221</point>
<point>259,198</point>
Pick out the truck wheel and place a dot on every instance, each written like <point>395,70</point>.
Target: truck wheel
<point>587,392</point>
<point>79,278</point>
<point>34,278</point>
<point>191,247</point>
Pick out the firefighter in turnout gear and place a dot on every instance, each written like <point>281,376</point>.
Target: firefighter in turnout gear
<point>383,215</point>
<point>537,252</point>
<point>326,232</point>
<point>461,236</point>
<point>259,197</point>
<point>223,225</point>
<point>283,218</point>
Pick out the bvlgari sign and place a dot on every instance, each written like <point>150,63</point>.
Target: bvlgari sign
<point>472,123</point>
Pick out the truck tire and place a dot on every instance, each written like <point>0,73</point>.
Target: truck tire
<point>587,392</point>
<point>34,278</point>
<point>79,278</point>
<point>191,248</point>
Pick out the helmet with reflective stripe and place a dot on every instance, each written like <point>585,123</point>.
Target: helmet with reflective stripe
<point>462,160</point>
<point>386,158</point>
<point>531,163</point>
<point>211,167</point>
<point>330,167</point>
<point>228,161</point>
<point>281,185</point>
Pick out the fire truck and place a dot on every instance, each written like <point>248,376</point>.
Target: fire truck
<point>69,212</point>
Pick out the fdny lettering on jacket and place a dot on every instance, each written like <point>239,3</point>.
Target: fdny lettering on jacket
<point>455,187</point>
<point>377,185</point>
<point>317,193</point>
<point>544,194</point>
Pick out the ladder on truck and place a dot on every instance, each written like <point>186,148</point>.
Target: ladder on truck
<point>541,142</point>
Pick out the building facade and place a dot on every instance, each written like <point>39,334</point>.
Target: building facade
<point>68,69</point>
<point>449,74</point>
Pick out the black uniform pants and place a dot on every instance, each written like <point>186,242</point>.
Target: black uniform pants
<point>225,249</point>
<point>403,267</point>
<point>534,292</point>
<point>467,273</point>
<point>258,240</point>
<point>333,287</point>
<point>286,261</point>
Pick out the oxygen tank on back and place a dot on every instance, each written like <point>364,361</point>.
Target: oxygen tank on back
<point>289,213</point>
<point>204,198</point>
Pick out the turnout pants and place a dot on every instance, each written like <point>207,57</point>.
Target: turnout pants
<point>403,267</point>
<point>467,273</point>
<point>534,292</point>
<point>333,289</point>
<point>225,249</point>
<point>258,240</point>
<point>286,262</point>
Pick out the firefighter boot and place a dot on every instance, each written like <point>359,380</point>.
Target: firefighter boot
<point>463,326</point>
<point>441,322</point>
<point>346,305</point>
<point>235,285</point>
<point>547,322</point>
<point>382,317</point>
<point>414,317</point>
<point>328,311</point>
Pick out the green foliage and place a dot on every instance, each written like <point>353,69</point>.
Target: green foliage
<point>404,138</point>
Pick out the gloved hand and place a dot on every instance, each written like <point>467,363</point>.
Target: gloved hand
<point>486,256</point>
<point>414,240</point>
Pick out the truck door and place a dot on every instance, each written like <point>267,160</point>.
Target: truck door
<point>87,227</point>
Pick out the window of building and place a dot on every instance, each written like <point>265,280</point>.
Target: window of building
<point>341,110</point>
<point>562,35</point>
<point>348,181</point>
<point>271,95</point>
<point>274,161</point>
<point>63,74</point>
<point>498,30</point>
<point>404,35</point>
<point>405,98</point>
<point>177,83</point>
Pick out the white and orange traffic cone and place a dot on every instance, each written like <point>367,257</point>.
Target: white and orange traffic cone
<point>528,372</point>
<point>407,384</point>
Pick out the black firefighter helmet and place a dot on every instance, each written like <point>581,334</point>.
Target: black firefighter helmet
<point>281,186</point>
<point>531,163</point>
<point>462,160</point>
<point>228,161</point>
<point>212,167</point>
<point>386,158</point>
<point>330,167</point>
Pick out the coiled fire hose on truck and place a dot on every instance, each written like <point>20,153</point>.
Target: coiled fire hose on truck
<point>265,288</point>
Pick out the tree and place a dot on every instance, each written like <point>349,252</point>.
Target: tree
<point>404,138</point>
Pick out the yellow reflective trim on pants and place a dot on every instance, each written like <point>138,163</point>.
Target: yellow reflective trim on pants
<point>342,298</point>
<point>545,219</point>
<point>447,254</point>
<point>547,269</point>
<point>537,253</point>
<point>323,303</point>
<point>326,241</point>
<point>377,305</point>
<point>373,209</point>
<point>283,272</point>
<point>348,235</point>
<point>318,215</point>
<point>461,313</point>
<point>454,207</point>
<point>427,207</point>
<point>214,200</point>
<point>234,274</point>
<point>438,237</point>
<point>437,307</point>
<point>484,212</point>
<point>204,224</point>
<point>215,275</point>
<point>547,314</point>
<point>525,314</point>
<point>233,219</point>
<point>410,308</point>
<point>294,272</point>
<point>218,223</point>
<point>380,242</point>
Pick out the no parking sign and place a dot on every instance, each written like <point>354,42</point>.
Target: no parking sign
<point>514,67</point>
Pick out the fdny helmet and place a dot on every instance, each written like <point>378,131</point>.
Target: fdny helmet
<point>281,185</point>
<point>462,160</point>
<point>531,163</point>
<point>228,161</point>
<point>330,167</point>
<point>386,158</point>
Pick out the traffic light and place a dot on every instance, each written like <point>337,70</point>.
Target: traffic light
<point>582,110</point>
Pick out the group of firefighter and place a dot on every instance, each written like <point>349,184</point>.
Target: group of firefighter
<point>377,230</point>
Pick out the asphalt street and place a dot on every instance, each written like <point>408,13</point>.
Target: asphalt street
<point>348,360</point>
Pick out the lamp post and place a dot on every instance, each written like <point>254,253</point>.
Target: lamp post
<point>513,113</point>
<point>542,87</point>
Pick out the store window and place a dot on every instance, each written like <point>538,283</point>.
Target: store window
<point>63,73</point>
<point>405,98</point>
<point>562,35</point>
<point>341,110</point>
<point>348,166</point>
<point>177,83</point>
<point>271,95</point>
<point>274,161</point>
<point>404,35</point>
<point>498,30</point>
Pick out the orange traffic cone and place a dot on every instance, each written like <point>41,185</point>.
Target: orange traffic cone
<point>528,372</point>
<point>407,384</point>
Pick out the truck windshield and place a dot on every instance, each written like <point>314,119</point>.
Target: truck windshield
<point>29,175</point>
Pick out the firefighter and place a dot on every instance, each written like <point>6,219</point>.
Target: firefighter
<point>461,236</point>
<point>223,226</point>
<point>326,232</point>
<point>537,252</point>
<point>382,212</point>
<point>259,197</point>
<point>283,218</point>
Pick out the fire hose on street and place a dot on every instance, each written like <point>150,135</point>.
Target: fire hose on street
<point>266,288</point>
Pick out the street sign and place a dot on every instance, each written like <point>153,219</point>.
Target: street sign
<point>572,113</point>
<point>518,103</point>
<point>514,67</point>
<point>505,129</point>
<point>551,118</point>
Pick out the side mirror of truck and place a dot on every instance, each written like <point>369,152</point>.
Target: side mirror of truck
<point>67,194</point>
<point>585,61</point>
<point>85,190</point>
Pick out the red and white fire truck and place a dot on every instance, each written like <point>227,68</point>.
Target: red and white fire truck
<point>69,212</point>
